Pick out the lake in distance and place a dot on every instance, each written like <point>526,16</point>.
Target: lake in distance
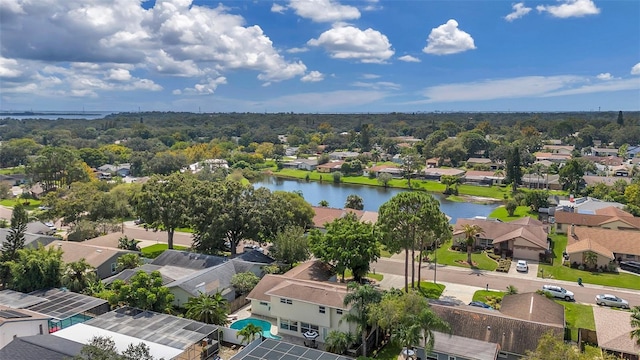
<point>373,196</point>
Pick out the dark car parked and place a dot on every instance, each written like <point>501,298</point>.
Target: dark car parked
<point>480,304</point>
<point>632,266</point>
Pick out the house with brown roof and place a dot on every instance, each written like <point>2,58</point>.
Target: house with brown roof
<point>324,215</point>
<point>608,244</point>
<point>436,173</point>
<point>524,238</point>
<point>331,166</point>
<point>104,259</point>
<point>606,218</point>
<point>394,170</point>
<point>514,336</point>
<point>591,180</point>
<point>533,307</point>
<point>556,158</point>
<point>612,330</point>
<point>559,149</point>
<point>299,301</point>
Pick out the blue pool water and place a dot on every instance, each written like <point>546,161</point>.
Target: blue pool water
<point>263,324</point>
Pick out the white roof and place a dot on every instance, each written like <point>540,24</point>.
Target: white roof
<point>83,334</point>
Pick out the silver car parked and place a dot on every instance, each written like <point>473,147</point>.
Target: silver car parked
<point>611,300</point>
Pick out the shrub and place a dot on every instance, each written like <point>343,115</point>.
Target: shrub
<point>580,267</point>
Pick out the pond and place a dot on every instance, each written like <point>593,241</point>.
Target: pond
<point>373,196</point>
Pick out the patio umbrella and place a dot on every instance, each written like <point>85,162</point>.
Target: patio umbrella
<point>310,334</point>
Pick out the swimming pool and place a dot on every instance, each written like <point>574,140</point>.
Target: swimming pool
<point>263,324</point>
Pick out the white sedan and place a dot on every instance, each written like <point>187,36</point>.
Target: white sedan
<point>611,300</point>
<point>522,266</point>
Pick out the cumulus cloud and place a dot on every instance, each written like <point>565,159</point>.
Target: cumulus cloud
<point>324,10</point>
<point>207,87</point>
<point>277,8</point>
<point>447,39</point>
<point>519,10</point>
<point>635,70</point>
<point>370,76</point>
<point>526,86</point>
<point>103,42</point>
<point>604,76</point>
<point>409,58</point>
<point>350,43</point>
<point>313,76</point>
<point>296,50</point>
<point>571,8</point>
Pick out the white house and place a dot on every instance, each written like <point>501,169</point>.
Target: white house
<point>20,322</point>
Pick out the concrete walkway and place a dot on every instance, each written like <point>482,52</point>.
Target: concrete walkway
<point>452,292</point>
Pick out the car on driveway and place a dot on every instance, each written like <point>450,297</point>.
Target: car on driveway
<point>558,292</point>
<point>480,304</point>
<point>522,266</point>
<point>611,300</point>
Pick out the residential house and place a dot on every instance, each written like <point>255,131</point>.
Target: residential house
<point>476,177</point>
<point>298,305</point>
<point>586,205</point>
<point>514,336</point>
<point>603,152</point>
<point>301,164</point>
<point>612,330</point>
<point>591,180</point>
<point>393,170</point>
<point>609,244</point>
<point>13,179</point>
<point>432,162</point>
<point>397,159</point>
<point>343,155</point>
<point>30,239</point>
<point>282,350</point>
<point>436,173</point>
<point>103,259</point>
<point>542,181</point>
<point>324,215</point>
<point>533,307</point>
<point>291,151</point>
<point>40,347</point>
<point>478,161</point>
<point>553,157</point>
<point>40,228</point>
<point>331,166</point>
<point>209,164</point>
<point>524,238</point>
<point>121,170</point>
<point>606,218</point>
<point>447,347</point>
<point>633,151</point>
<point>620,170</point>
<point>559,149</point>
<point>20,322</point>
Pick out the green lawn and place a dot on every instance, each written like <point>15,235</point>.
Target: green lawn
<point>377,277</point>
<point>33,204</point>
<point>482,295</point>
<point>578,316</point>
<point>389,352</point>
<point>521,211</point>
<point>457,258</point>
<point>560,272</point>
<point>12,170</point>
<point>431,290</point>
<point>154,251</point>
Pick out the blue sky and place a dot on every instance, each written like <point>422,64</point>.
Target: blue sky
<point>320,56</point>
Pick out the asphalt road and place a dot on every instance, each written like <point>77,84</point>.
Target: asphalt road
<point>479,278</point>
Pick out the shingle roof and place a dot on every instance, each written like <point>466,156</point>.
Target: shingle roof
<point>589,245</point>
<point>500,231</point>
<point>94,255</point>
<point>29,238</point>
<point>39,347</point>
<point>533,307</point>
<point>513,335</point>
<point>443,171</point>
<point>617,241</point>
<point>325,215</point>
<point>311,270</point>
<point>613,328</point>
<point>613,211</point>
<point>315,292</point>
<point>188,260</point>
<point>461,347</point>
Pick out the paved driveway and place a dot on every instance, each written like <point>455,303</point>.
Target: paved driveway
<point>531,274</point>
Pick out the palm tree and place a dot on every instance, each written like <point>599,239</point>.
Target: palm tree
<point>360,297</point>
<point>323,203</point>
<point>407,335</point>
<point>429,321</point>
<point>590,259</point>
<point>470,232</point>
<point>338,342</point>
<point>635,324</point>
<point>249,333</point>
<point>537,169</point>
<point>210,309</point>
<point>354,202</point>
<point>78,275</point>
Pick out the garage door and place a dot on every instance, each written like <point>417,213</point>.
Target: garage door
<point>524,253</point>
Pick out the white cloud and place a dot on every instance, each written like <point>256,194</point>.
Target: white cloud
<point>207,87</point>
<point>409,58</point>
<point>604,76</point>
<point>522,87</point>
<point>119,75</point>
<point>571,8</point>
<point>351,43</point>
<point>9,68</point>
<point>296,50</point>
<point>447,39</point>
<point>377,85</point>
<point>312,76</point>
<point>277,8</point>
<point>635,70</point>
<point>324,10</point>
<point>370,76</point>
<point>519,10</point>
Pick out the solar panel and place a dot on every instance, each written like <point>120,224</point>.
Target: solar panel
<point>279,350</point>
<point>10,314</point>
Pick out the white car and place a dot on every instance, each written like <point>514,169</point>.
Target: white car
<point>611,300</point>
<point>522,266</point>
<point>558,292</point>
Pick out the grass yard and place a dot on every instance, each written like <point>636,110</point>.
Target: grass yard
<point>384,252</point>
<point>378,277</point>
<point>390,351</point>
<point>560,272</point>
<point>521,211</point>
<point>578,316</point>
<point>33,204</point>
<point>154,251</point>
<point>483,295</point>
<point>431,290</point>
<point>457,258</point>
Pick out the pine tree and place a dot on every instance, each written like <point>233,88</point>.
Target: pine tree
<point>514,172</point>
<point>620,119</point>
<point>13,242</point>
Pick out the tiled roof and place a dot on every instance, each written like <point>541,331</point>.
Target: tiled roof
<point>533,307</point>
<point>613,211</point>
<point>500,231</point>
<point>325,215</point>
<point>513,335</point>
<point>613,328</point>
<point>617,241</point>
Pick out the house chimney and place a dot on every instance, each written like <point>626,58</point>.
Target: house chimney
<point>570,232</point>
